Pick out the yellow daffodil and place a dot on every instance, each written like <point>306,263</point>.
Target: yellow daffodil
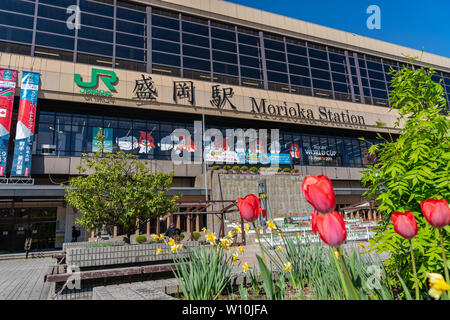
<point>246,227</point>
<point>238,230</point>
<point>155,237</point>
<point>225,243</point>
<point>298,234</point>
<point>162,236</point>
<point>271,225</point>
<point>171,242</point>
<point>211,238</point>
<point>245,267</point>
<point>280,248</point>
<point>235,257</point>
<point>174,248</point>
<point>361,245</point>
<point>437,285</point>
<point>336,254</point>
<point>179,246</point>
<point>241,249</point>
<point>159,250</point>
<point>288,267</point>
<point>230,235</point>
<point>204,229</point>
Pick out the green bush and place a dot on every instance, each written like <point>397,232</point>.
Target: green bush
<point>253,169</point>
<point>244,168</point>
<point>99,245</point>
<point>236,168</point>
<point>141,239</point>
<point>181,236</point>
<point>279,169</point>
<point>215,168</point>
<point>286,170</point>
<point>294,170</point>
<point>227,167</point>
<point>196,235</point>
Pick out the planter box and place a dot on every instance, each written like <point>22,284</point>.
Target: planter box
<point>85,244</point>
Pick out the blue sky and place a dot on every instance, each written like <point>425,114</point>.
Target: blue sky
<point>410,23</point>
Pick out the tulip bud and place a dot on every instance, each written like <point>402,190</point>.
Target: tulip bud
<point>437,212</point>
<point>249,207</point>
<point>331,227</point>
<point>405,224</point>
<point>319,192</point>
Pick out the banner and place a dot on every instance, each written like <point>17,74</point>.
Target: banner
<point>246,157</point>
<point>107,142</point>
<point>25,125</point>
<point>8,79</point>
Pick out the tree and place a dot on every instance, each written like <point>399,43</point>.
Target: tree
<point>414,167</point>
<point>119,190</point>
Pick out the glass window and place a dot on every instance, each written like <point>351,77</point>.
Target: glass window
<point>96,21</point>
<point>299,70</point>
<point>272,44</point>
<point>248,50</point>
<point>300,81</point>
<point>319,64</point>
<point>130,40</point>
<point>17,6</point>
<point>53,13</point>
<point>13,34</point>
<point>379,94</point>
<point>320,74</point>
<point>223,45</point>
<point>195,40</point>
<point>318,54</point>
<point>165,22</point>
<point>51,40</point>
<point>16,20</point>
<point>95,34</point>
<point>130,53</point>
<point>95,47</point>
<point>296,49</point>
<point>92,7</point>
<point>45,135</point>
<point>248,39</point>
<point>337,58</point>
<point>250,73</point>
<point>298,60</point>
<point>197,64</point>
<point>195,28</point>
<point>196,52</point>
<point>339,87</point>
<point>165,34</point>
<point>378,84</point>
<point>251,62</point>
<point>168,59</point>
<point>131,15</point>
<point>339,77</point>
<point>276,66</point>
<point>275,55</point>
<point>324,85</point>
<point>223,34</point>
<point>133,28</point>
<point>277,77</point>
<point>376,75</point>
<point>165,46</point>
<point>225,68</point>
<point>338,68</point>
<point>374,66</point>
<point>224,57</point>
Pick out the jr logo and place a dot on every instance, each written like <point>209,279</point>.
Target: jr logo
<point>108,78</point>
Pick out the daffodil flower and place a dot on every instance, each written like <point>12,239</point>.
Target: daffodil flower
<point>280,248</point>
<point>159,250</point>
<point>288,267</point>
<point>245,267</point>
<point>204,229</point>
<point>171,242</point>
<point>298,234</point>
<point>361,245</point>
<point>271,225</point>
<point>155,237</point>
<point>179,246</point>
<point>230,235</point>
<point>437,285</point>
<point>235,257</point>
<point>174,248</point>
<point>246,227</point>
<point>241,249</point>
<point>238,229</point>
<point>336,254</point>
<point>211,238</point>
<point>162,236</point>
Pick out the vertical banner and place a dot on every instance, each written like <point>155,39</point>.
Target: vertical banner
<point>25,125</point>
<point>8,79</point>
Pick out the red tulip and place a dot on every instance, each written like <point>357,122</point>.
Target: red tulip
<point>319,193</point>
<point>437,212</point>
<point>331,228</point>
<point>405,224</point>
<point>249,208</point>
<point>314,222</point>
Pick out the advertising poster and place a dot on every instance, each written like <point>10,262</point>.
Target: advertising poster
<point>8,79</point>
<point>25,125</point>
<point>107,142</point>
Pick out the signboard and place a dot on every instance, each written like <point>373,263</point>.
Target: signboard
<point>109,79</point>
<point>25,125</point>
<point>107,142</point>
<point>246,157</point>
<point>8,79</point>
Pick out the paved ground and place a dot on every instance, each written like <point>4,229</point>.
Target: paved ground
<point>24,279</point>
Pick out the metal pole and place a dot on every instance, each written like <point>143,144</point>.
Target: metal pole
<point>203,153</point>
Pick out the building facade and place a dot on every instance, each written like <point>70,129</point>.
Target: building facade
<point>139,70</point>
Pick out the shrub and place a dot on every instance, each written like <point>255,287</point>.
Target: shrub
<point>235,168</point>
<point>226,167</point>
<point>196,235</point>
<point>215,168</point>
<point>141,239</point>
<point>286,170</point>
<point>294,170</point>
<point>181,236</point>
<point>279,169</point>
<point>253,169</point>
<point>244,168</point>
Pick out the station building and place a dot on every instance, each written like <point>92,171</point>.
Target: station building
<point>141,69</point>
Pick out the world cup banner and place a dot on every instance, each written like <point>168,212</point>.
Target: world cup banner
<point>25,125</point>
<point>8,79</point>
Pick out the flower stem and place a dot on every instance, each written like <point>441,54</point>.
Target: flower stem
<point>413,262</point>
<point>444,258</point>
<point>347,274</point>
<point>259,241</point>
<point>340,273</point>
